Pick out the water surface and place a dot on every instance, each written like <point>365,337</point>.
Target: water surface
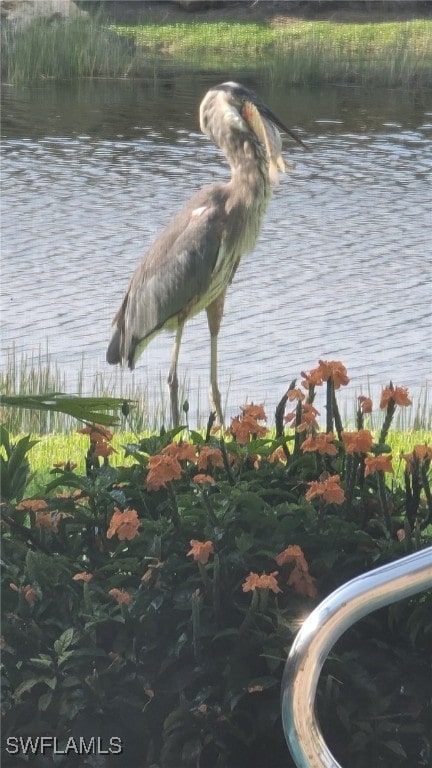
<point>93,171</point>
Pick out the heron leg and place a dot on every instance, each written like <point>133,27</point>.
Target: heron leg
<point>172,378</point>
<point>214,317</point>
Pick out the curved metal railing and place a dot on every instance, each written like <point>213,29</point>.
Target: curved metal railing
<point>321,630</point>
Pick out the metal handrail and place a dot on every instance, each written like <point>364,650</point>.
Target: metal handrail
<point>321,630</point>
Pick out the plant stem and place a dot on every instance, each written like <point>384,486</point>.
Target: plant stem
<point>336,414</point>
<point>391,408</point>
<point>175,517</point>
<point>329,405</point>
<point>226,462</point>
<point>383,499</point>
<point>209,508</point>
<point>352,462</point>
<point>196,623</point>
<point>252,610</point>
<point>216,587</point>
<point>427,490</point>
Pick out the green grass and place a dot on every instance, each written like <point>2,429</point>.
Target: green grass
<point>72,447</point>
<point>397,53</point>
<point>306,52</point>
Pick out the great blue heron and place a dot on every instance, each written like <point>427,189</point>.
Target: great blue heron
<point>192,262</point>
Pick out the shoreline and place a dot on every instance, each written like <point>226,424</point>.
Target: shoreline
<point>275,14</point>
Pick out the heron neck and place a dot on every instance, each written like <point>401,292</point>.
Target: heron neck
<point>249,173</point>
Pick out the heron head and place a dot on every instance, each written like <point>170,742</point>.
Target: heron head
<point>230,108</point>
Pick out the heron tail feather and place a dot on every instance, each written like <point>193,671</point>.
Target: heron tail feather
<point>113,356</point>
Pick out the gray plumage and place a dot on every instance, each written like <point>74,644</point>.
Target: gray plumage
<point>190,265</point>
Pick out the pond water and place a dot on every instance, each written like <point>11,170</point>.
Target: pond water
<point>92,172</point>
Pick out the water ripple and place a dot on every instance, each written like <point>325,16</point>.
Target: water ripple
<point>341,270</point>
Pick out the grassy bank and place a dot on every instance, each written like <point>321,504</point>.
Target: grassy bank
<point>72,447</point>
<point>397,53</point>
<point>301,52</point>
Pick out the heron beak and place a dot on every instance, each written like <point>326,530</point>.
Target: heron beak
<point>268,115</point>
<point>263,123</point>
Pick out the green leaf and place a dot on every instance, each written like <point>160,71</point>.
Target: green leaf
<point>27,685</point>
<point>395,747</point>
<point>263,683</point>
<point>45,701</point>
<point>42,662</point>
<point>4,439</point>
<point>230,632</point>
<point>91,409</point>
<point>64,641</point>
<point>244,542</point>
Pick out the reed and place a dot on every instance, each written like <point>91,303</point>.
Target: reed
<point>63,50</point>
<point>35,374</point>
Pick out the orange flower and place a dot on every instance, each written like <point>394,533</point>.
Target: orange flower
<point>308,418</point>
<point>329,489</point>
<point>423,451</point>
<point>162,469</point>
<point>381,463</point>
<point>28,591</point>
<point>96,432</point>
<point>46,520</point>
<point>320,443</point>
<point>103,450</point>
<point>290,555</point>
<point>32,504</point>
<point>419,453</point>
<point>254,412</point>
<point>30,594</point>
<point>265,581</point>
<point>84,576</point>
<point>334,370</point>
<point>121,596</point>
<point>399,395</point>
<point>201,479</point>
<point>244,426</point>
<point>200,550</point>
<point>327,369</point>
<point>277,455</point>
<point>180,451</point>
<point>209,457</point>
<point>295,394</point>
<point>124,524</point>
<point>357,442</point>
<point>365,404</point>
<point>302,582</point>
<point>299,578</point>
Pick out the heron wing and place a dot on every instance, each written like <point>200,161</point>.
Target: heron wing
<point>173,275</point>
